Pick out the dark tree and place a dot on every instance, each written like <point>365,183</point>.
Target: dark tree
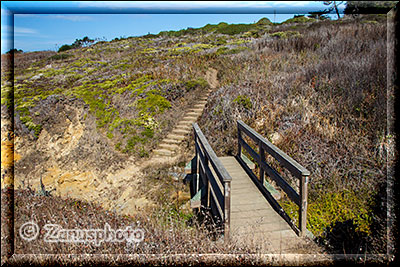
<point>369,7</point>
<point>14,51</point>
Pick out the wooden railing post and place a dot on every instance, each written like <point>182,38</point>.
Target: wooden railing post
<point>303,207</point>
<point>239,141</point>
<point>211,169</point>
<point>208,186</point>
<point>265,169</point>
<point>227,209</point>
<point>262,159</point>
<point>194,166</point>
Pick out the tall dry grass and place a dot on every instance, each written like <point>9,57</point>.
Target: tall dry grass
<point>320,97</point>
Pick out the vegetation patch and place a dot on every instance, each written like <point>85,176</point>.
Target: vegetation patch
<point>197,83</point>
<point>60,56</point>
<point>285,34</point>
<point>331,208</point>
<point>299,19</point>
<point>36,128</point>
<point>226,51</point>
<point>243,101</point>
<point>314,90</point>
<point>152,103</point>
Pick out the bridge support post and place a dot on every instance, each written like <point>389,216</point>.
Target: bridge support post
<point>262,158</point>
<point>227,209</point>
<point>208,187</point>
<point>303,207</point>
<point>239,142</point>
<point>194,174</point>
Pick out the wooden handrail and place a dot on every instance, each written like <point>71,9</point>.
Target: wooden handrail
<point>295,168</point>
<point>216,198</point>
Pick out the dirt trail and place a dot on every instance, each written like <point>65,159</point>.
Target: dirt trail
<point>169,146</point>
<point>211,78</point>
<point>169,151</point>
<point>120,190</point>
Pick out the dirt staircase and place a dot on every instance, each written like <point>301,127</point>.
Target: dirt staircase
<point>169,145</point>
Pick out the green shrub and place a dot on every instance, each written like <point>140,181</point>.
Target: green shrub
<point>131,143</point>
<point>7,95</point>
<point>285,34</point>
<point>148,132</point>
<point>193,84</point>
<point>299,19</point>
<point>60,56</point>
<point>14,51</point>
<point>331,208</point>
<point>153,104</point>
<point>219,41</point>
<point>232,29</point>
<point>264,21</point>
<point>222,50</point>
<point>143,152</point>
<point>118,146</point>
<point>243,101</point>
<point>36,128</point>
<point>65,48</point>
<point>110,135</point>
<point>226,51</point>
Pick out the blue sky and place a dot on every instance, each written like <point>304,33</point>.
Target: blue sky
<point>46,25</point>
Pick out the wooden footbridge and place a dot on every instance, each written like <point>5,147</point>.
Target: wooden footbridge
<point>241,202</point>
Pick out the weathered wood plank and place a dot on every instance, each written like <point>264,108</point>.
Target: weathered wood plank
<point>253,220</point>
<point>251,226</point>
<point>271,172</point>
<point>214,160</point>
<point>278,154</point>
<point>252,212</point>
<point>216,180</point>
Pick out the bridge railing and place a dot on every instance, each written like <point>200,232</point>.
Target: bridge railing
<point>264,146</point>
<point>213,178</point>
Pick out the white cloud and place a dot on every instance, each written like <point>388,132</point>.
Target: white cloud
<point>70,17</point>
<point>21,30</point>
<point>6,31</point>
<point>26,16</point>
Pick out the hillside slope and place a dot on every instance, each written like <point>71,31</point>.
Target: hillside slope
<point>87,117</point>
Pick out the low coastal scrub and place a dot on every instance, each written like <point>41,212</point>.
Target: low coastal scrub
<point>321,94</point>
<point>315,88</point>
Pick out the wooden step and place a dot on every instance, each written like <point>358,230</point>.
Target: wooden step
<point>181,131</point>
<point>192,118</point>
<point>184,125</point>
<point>188,123</point>
<point>163,152</point>
<point>171,141</point>
<point>174,136</point>
<point>171,147</point>
<point>193,114</point>
<point>198,107</point>
<point>196,110</point>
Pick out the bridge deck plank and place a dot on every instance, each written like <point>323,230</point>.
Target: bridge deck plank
<point>252,217</point>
